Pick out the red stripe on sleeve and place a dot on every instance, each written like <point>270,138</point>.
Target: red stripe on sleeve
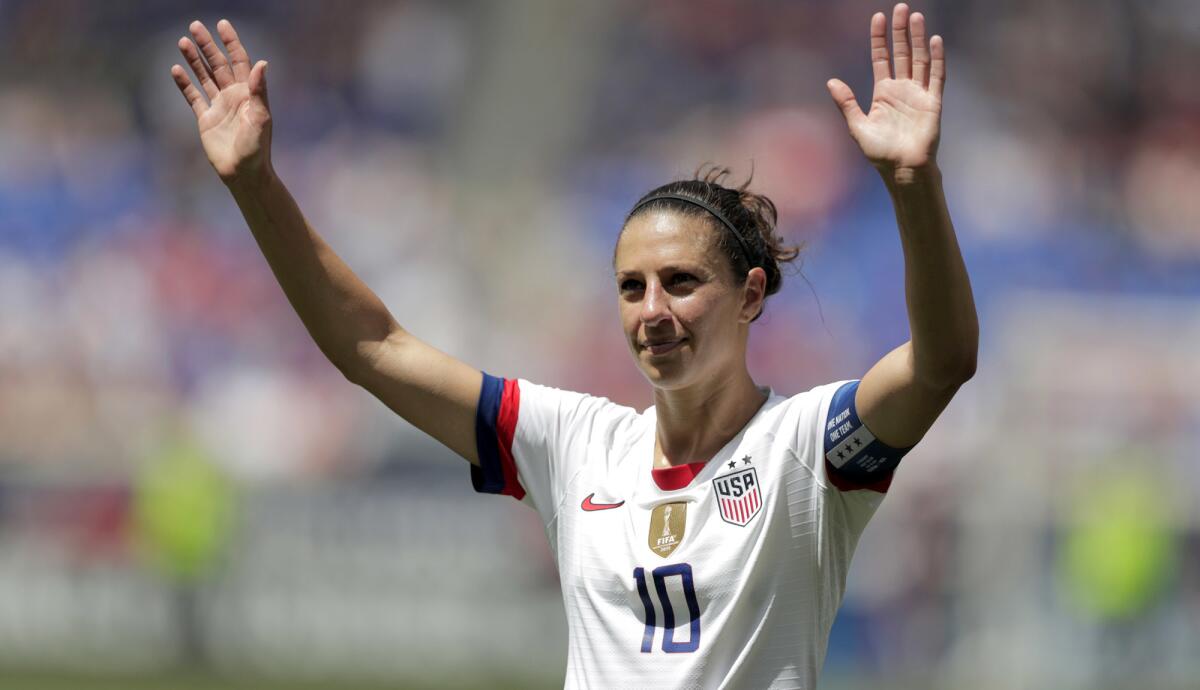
<point>506,426</point>
<point>880,486</point>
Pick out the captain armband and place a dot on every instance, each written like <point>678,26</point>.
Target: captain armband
<point>851,451</point>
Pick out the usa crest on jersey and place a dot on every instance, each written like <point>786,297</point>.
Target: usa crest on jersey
<point>738,496</point>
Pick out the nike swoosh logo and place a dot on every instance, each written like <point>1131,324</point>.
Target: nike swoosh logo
<point>588,505</point>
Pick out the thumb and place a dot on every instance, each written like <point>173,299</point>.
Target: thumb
<point>844,98</point>
<point>258,80</point>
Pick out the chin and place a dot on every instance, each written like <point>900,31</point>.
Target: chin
<point>675,370</point>
<point>665,375</point>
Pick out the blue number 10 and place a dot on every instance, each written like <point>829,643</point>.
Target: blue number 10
<point>660,575</point>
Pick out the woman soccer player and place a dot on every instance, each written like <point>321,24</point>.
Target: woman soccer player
<point>703,542</point>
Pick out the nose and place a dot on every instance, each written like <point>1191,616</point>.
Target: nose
<point>654,305</point>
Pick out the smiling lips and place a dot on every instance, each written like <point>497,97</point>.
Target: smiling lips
<point>660,347</point>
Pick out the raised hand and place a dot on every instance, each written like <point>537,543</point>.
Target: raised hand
<point>232,112</point>
<point>901,129</point>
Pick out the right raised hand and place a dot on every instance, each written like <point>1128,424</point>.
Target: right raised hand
<point>234,119</point>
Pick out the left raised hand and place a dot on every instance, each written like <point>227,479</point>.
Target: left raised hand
<point>901,129</point>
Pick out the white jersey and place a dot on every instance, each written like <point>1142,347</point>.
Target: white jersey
<point>719,574</point>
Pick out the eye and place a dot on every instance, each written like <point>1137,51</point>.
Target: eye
<point>629,284</point>
<point>680,278</point>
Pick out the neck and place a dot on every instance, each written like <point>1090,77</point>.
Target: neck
<point>696,422</point>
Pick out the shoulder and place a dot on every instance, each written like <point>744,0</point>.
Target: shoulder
<point>557,411</point>
<point>797,424</point>
<point>804,410</point>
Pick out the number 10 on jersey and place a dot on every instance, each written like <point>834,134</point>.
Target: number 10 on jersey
<point>660,575</point>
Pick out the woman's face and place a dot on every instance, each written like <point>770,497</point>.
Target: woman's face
<point>682,314</point>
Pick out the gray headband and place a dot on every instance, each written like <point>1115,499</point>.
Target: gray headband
<point>715,214</point>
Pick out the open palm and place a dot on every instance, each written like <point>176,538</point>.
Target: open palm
<point>232,112</point>
<point>902,127</point>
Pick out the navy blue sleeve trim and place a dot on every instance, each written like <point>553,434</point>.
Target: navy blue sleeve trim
<point>851,451</point>
<point>488,477</point>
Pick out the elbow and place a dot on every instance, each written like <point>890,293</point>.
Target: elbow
<point>968,362</point>
<point>959,364</point>
<point>950,371</point>
<point>967,368</point>
<point>350,367</point>
<point>945,363</point>
<point>959,368</point>
<point>362,363</point>
<point>353,374</point>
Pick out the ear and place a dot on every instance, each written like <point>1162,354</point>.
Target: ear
<point>754,293</point>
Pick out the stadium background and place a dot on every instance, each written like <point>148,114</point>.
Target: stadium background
<point>190,496</point>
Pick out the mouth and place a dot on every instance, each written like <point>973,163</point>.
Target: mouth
<point>662,347</point>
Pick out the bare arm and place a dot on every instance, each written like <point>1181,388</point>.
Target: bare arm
<point>433,391</point>
<point>901,396</point>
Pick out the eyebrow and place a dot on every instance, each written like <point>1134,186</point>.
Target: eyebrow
<point>676,268</point>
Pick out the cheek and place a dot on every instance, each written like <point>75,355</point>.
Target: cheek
<point>699,313</point>
<point>628,315</point>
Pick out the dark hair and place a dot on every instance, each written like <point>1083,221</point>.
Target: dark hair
<point>753,217</point>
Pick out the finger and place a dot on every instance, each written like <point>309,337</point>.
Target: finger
<point>844,98</point>
<point>199,67</point>
<point>238,56</point>
<point>937,68</point>
<point>258,81</point>
<point>193,96</point>
<point>879,50</point>
<point>900,47</point>
<point>221,72</point>
<point>920,63</point>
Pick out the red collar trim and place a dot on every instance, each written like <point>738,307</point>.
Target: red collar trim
<point>677,476</point>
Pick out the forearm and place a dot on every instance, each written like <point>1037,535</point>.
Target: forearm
<point>343,315</point>
<point>941,308</point>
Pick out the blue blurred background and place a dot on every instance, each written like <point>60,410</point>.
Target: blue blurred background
<point>190,496</point>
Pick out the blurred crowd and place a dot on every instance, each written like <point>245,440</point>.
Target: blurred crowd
<point>473,162</point>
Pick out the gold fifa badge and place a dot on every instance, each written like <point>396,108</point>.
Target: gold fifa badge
<point>666,527</point>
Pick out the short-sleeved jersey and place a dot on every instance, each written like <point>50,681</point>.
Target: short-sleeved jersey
<point>719,574</point>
